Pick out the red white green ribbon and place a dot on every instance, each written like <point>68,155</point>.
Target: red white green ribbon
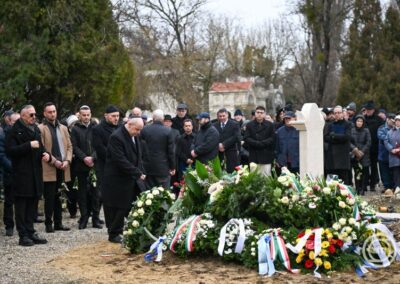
<point>179,231</point>
<point>281,252</point>
<point>191,234</point>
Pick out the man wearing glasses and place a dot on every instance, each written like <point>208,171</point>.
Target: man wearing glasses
<point>337,137</point>
<point>24,147</point>
<point>259,139</point>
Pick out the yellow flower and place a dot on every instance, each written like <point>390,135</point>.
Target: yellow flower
<point>327,232</point>
<point>299,258</point>
<point>307,231</point>
<point>318,261</point>
<point>323,252</point>
<point>329,236</point>
<point>297,241</point>
<point>325,244</point>
<point>311,255</point>
<point>327,265</point>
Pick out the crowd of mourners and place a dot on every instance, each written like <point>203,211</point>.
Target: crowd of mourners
<point>106,163</point>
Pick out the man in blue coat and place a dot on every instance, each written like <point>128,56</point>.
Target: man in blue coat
<point>287,144</point>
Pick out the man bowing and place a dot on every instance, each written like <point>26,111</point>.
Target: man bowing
<point>122,171</point>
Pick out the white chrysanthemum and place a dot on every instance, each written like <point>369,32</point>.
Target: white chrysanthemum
<point>141,211</point>
<point>160,188</point>
<point>308,190</point>
<point>344,192</point>
<point>342,204</point>
<point>135,214</point>
<point>352,221</point>
<point>155,192</point>
<point>350,201</point>
<point>148,202</point>
<point>130,232</point>
<point>135,224</point>
<point>149,196</point>
<point>139,203</point>
<point>342,221</point>
<point>326,190</point>
<point>253,254</point>
<point>295,197</point>
<point>336,226</point>
<point>285,200</point>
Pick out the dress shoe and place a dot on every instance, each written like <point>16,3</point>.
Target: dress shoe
<point>97,225</point>
<point>38,240</point>
<point>9,232</point>
<point>26,242</point>
<point>39,220</point>
<point>61,228</point>
<point>49,229</point>
<point>115,240</point>
<point>83,223</point>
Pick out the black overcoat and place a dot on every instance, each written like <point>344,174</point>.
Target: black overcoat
<point>122,170</point>
<point>27,177</point>
<point>260,141</point>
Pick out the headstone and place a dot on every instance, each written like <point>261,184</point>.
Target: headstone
<point>310,124</point>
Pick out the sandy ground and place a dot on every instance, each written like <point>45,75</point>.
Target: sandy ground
<point>109,263</point>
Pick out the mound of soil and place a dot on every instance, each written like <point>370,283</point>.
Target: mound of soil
<point>104,262</point>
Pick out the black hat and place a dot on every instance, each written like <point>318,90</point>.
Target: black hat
<point>327,110</point>
<point>390,115</point>
<point>289,114</point>
<point>382,110</point>
<point>167,117</point>
<point>181,106</point>
<point>352,106</point>
<point>238,112</point>
<point>111,109</point>
<point>369,105</point>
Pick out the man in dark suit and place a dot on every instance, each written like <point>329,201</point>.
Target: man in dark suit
<point>183,145</point>
<point>25,149</point>
<point>159,152</point>
<point>123,170</point>
<point>205,144</point>
<point>229,137</point>
<point>260,141</point>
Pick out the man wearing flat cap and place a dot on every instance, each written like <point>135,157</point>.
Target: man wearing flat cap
<point>101,134</point>
<point>181,115</point>
<point>205,144</point>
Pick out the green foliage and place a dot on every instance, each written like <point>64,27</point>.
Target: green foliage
<point>68,52</point>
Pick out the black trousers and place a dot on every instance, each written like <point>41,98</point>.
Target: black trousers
<point>52,202</point>
<point>361,178</point>
<point>88,197</point>
<point>154,181</point>
<point>72,195</point>
<point>8,212</point>
<point>230,159</point>
<point>374,175</point>
<point>25,210</point>
<point>114,220</point>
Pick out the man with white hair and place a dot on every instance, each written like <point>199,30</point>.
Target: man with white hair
<point>122,172</point>
<point>159,152</point>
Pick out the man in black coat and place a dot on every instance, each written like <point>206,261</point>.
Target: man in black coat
<point>181,115</point>
<point>100,135</point>
<point>259,138</point>
<point>159,152</point>
<point>81,137</point>
<point>229,139</point>
<point>122,172</point>
<point>373,122</point>
<point>337,138</point>
<point>5,163</point>
<point>24,147</point>
<point>183,145</point>
<point>205,144</point>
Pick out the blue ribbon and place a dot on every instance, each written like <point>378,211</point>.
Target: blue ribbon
<point>265,263</point>
<point>155,251</point>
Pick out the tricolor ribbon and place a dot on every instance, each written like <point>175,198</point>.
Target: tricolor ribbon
<point>241,238</point>
<point>191,234</point>
<point>179,230</point>
<point>155,251</point>
<point>281,251</point>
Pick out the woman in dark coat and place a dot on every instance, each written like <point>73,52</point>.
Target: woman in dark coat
<point>360,146</point>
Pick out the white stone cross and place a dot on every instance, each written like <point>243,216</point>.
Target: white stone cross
<point>310,124</point>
